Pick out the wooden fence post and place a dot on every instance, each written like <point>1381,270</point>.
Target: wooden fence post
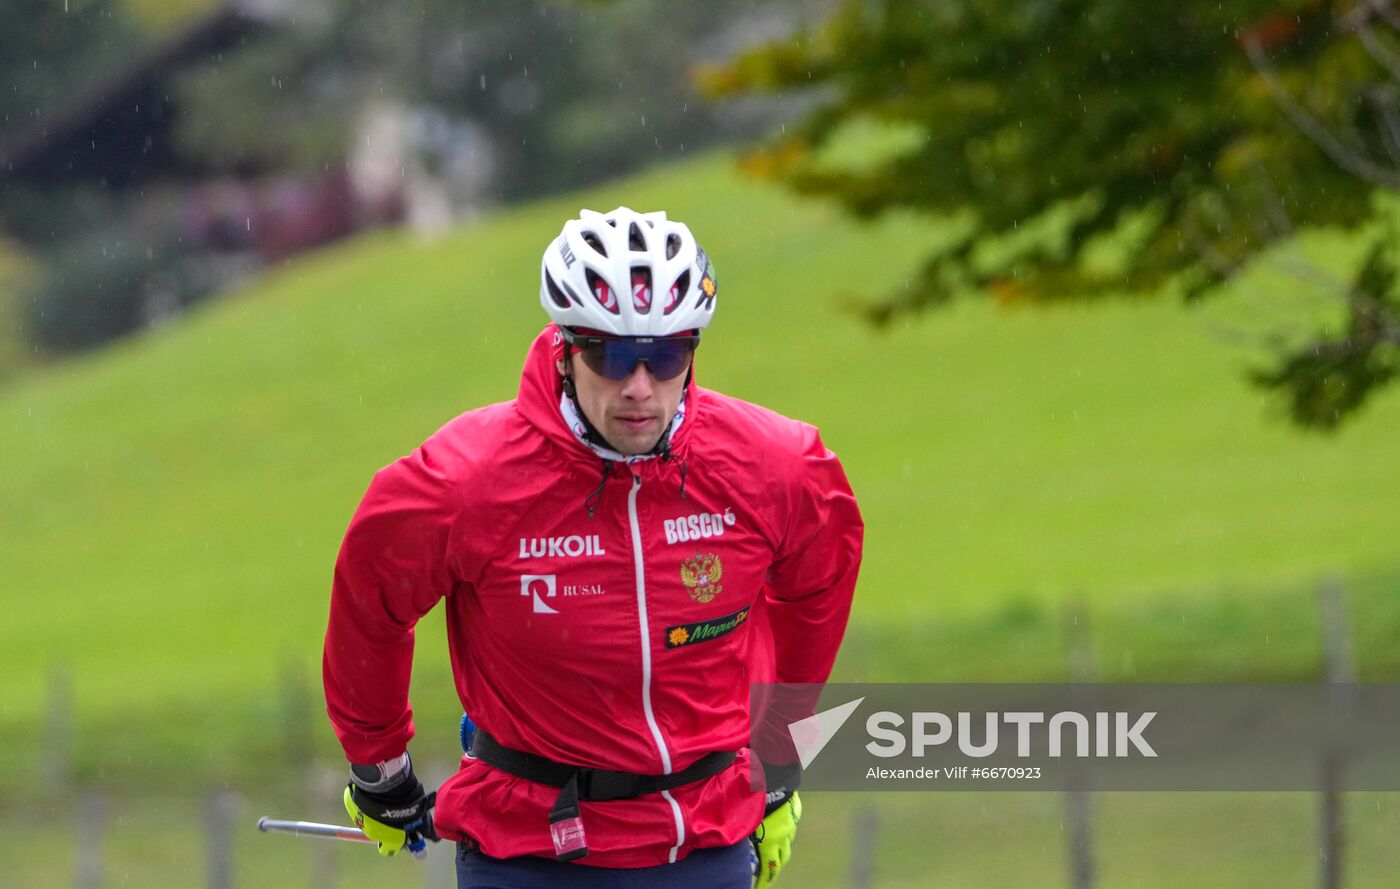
<point>296,716</point>
<point>88,856</point>
<point>325,783</point>
<point>220,810</point>
<point>864,831</point>
<point>1079,652</point>
<point>441,867</point>
<point>1340,669</point>
<point>58,731</point>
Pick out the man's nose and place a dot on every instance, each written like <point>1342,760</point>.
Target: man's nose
<point>639,383</point>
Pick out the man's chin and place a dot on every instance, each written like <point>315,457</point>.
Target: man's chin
<point>631,444</point>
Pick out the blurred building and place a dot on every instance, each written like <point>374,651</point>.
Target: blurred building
<point>150,175</point>
<point>120,136</point>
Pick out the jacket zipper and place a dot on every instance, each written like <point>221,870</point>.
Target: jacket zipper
<point>646,660</point>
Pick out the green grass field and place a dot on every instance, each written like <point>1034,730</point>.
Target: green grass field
<point>173,505</point>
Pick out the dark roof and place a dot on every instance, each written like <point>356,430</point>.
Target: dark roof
<point>119,132</point>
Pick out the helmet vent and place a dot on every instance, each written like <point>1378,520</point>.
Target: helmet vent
<point>602,292</point>
<point>595,242</point>
<point>673,245</point>
<point>635,241</point>
<point>678,292</point>
<point>555,293</point>
<point>641,290</point>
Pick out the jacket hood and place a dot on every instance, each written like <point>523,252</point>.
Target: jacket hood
<point>541,388</point>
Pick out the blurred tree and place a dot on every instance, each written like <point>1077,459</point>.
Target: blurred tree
<point>1109,146</point>
<point>124,270</point>
<point>559,93</point>
<point>565,92</point>
<point>286,102</point>
<point>158,16</point>
<point>51,51</point>
<point>15,268</point>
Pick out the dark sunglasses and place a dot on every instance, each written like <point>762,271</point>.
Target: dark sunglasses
<point>615,357</point>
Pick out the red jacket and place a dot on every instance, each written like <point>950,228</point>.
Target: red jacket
<point>623,641</point>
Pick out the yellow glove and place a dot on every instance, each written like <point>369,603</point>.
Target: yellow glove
<point>772,842</point>
<point>396,813</point>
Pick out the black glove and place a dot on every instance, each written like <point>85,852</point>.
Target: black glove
<point>393,810</point>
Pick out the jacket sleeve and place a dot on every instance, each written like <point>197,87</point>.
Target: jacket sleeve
<point>392,569</point>
<point>813,577</point>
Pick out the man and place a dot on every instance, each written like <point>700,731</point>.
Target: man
<point>621,553</point>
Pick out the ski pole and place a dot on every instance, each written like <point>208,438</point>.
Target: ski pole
<point>416,847</point>
<point>312,829</point>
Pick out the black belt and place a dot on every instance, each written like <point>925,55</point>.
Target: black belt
<point>593,785</point>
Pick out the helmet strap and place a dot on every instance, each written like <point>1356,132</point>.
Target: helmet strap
<point>591,433</point>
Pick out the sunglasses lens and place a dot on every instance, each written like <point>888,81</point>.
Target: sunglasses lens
<point>616,358</point>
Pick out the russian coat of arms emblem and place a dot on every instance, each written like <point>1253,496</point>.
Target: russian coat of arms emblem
<point>702,575</point>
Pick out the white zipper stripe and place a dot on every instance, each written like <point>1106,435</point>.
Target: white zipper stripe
<point>642,618</point>
<point>680,824</point>
<point>646,660</point>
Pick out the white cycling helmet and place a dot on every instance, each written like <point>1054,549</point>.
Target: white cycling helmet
<point>627,274</point>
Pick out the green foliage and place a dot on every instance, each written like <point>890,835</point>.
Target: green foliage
<point>267,106</point>
<point>100,264</point>
<point>15,270</point>
<point>165,16</point>
<point>110,282</point>
<point>1330,379</point>
<point>561,93</point>
<point>566,93</point>
<point>50,52</point>
<point>70,292</point>
<point>1188,137</point>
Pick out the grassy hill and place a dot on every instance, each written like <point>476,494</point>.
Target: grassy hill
<point>172,506</point>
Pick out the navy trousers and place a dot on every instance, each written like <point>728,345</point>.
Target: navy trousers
<point>728,867</point>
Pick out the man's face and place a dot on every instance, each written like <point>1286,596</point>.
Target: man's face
<point>631,413</point>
